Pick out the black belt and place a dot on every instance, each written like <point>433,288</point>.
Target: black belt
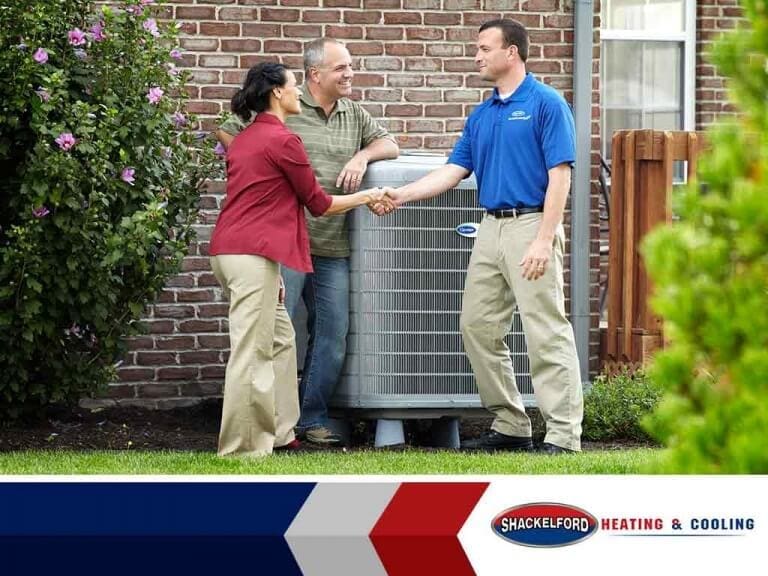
<point>515,212</point>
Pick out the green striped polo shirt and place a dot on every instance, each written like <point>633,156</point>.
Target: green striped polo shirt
<point>330,142</point>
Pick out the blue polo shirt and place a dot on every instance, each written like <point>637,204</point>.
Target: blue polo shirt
<point>511,144</point>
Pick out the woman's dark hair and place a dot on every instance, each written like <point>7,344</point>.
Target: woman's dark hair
<point>514,33</point>
<point>253,97</point>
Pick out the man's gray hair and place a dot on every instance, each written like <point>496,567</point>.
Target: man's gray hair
<point>314,52</point>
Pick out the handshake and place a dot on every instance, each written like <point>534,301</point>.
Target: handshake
<point>384,200</point>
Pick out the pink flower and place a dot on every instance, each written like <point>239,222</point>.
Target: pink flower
<point>65,140</point>
<point>40,211</point>
<point>146,2</point>
<point>97,32</point>
<point>179,119</point>
<point>76,37</point>
<point>173,71</point>
<point>40,56</point>
<point>176,54</point>
<point>150,25</point>
<point>219,149</point>
<point>43,93</point>
<point>154,94</point>
<point>127,175</point>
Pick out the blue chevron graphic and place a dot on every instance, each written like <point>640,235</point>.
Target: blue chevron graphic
<point>148,528</point>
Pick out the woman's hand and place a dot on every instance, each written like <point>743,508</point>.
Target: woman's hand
<point>379,201</point>
<point>376,199</point>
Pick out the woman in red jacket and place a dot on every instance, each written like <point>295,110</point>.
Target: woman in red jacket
<point>262,226</point>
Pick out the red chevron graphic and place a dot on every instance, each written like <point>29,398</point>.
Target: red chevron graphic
<point>417,533</point>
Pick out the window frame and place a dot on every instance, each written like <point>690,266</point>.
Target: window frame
<point>687,39</point>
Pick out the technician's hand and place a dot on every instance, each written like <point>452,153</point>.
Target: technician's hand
<point>398,196</point>
<point>351,176</point>
<point>536,259</point>
<point>385,204</point>
<point>379,203</point>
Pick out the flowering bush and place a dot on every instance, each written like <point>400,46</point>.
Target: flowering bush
<point>99,180</point>
<point>711,278</point>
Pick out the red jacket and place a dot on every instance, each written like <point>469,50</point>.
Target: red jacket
<point>269,181</point>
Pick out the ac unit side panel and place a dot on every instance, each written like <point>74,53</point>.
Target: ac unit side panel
<point>407,279</point>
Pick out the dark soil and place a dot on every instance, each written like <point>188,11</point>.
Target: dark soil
<point>187,429</point>
<point>128,428</point>
<point>194,428</point>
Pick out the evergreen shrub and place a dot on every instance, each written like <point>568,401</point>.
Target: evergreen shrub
<point>710,273</point>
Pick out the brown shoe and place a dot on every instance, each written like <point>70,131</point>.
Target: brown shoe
<point>292,446</point>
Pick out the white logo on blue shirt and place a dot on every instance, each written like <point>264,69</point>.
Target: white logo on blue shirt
<point>519,115</point>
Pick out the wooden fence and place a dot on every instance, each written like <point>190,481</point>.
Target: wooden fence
<point>641,185</point>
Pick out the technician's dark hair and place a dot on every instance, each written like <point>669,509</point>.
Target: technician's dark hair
<point>513,32</point>
<point>253,97</point>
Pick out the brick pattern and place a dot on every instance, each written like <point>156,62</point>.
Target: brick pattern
<point>414,57</point>
<point>414,73</point>
<point>713,18</point>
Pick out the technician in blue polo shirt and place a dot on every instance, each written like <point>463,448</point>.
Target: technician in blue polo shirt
<point>520,144</point>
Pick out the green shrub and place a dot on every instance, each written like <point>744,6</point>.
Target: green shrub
<point>615,405</point>
<point>99,182</point>
<point>711,277</point>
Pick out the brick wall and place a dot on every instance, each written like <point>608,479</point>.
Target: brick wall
<point>713,17</point>
<point>414,72</point>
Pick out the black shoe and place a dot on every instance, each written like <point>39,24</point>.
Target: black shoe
<point>493,441</point>
<point>553,449</point>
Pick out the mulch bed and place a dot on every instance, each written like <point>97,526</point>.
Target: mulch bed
<point>194,428</point>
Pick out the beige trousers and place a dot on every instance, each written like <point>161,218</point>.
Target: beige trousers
<point>494,285</point>
<point>261,398</point>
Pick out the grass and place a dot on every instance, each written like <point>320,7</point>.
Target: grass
<point>406,462</point>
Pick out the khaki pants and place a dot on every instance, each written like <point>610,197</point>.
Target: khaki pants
<point>261,401</point>
<point>494,285</point>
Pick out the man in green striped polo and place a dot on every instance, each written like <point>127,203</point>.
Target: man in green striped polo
<point>341,138</point>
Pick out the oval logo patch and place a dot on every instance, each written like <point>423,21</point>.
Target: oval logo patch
<point>468,230</point>
<point>544,525</point>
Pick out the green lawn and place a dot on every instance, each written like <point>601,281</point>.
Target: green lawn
<point>410,461</point>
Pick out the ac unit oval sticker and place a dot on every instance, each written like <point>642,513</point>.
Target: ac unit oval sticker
<point>544,525</point>
<point>467,229</point>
